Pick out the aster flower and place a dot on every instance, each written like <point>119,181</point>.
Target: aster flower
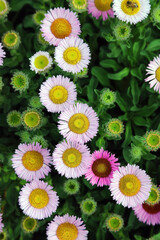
<point>38,16</point>
<point>4,8</point>
<point>40,62</point>
<point>122,31</point>
<point>88,206</point>
<point>148,214</point>
<point>133,12</point>
<point>58,24</point>
<point>114,222</point>
<point>100,8</point>
<point>107,97</point>
<point>71,159</point>
<point>58,93</point>
<point>38,200</point>
<point>114,128</point>
<point>153,69</point>
<point>101,168</point>
<point>2,54</point>
<point>130,186</point>
<point>11,40</point>
<point>154,195</point>
<point>72,55</point>
<point>79,123</point>
<point>78,5</point>
<point>29,225</point>
<point>20,81</point>
<point>66,227</point>
<point>1,224</point>
<point>71,186</point>
<point>14,118</point>
<point>151,140</point>
<point>31,119</point>
<point>31,161</point>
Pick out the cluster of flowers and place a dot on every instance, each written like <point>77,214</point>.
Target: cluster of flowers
<point>78,124</point>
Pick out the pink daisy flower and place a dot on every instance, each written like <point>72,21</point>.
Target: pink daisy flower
<point>38,200</point>
<point>66,227</point>
<point>58,93</point>
<point>58,24</point>
<point>1,224</point>
<point>79,123</point>
<point>101,168</point>
<point>153,69</point>
<point>31,161</point>
<point>149,214</point>
<point>72,55</point>
<point>100,8</point>
<point>71,159</point>
<point>130,186</point>
<point>2,54</point>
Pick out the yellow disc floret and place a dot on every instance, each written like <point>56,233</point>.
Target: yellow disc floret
<point>61,28</point>
<point>58,94</point>
<point>130,7</point>
<point>32,160</point>
<point>103,5</point>
<point>129,185</point>
<point>158,74</point>
<point>41,62</point>
<point>67,231</point>
<point>72,55</point>
<point>38,198</point>
<point>78,123</point>
<point>72,157</point>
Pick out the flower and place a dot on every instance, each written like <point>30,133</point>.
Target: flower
<point>156,14</point>
<point>71,159</point>
<point>20,81</point>
<point>79,123</point>
<point>41,39</point>
<point>154,195</point>
<point>2,54</point>
<point>107,97</point>
<point>29,225</point>
<point>1,224</point>
<point>41,140</point>
<point>14,118</point>
<point>153,69</point>
<point>114,128</point>
<point>114,222</point>
<point>151,140</point>
<point>58,24</point>
<point>88,206</point>
<point>38,16</point>
<point>31,119</point>
<point>100,8</point>
<point>130,186</point>
<point>38,200</point>
<point>58,93</point>
<point>71,186</point>
<point>122,31</point>
<point>101,168</point>
<point>133,12</point>
<point>4,8</point>
<point>31,161</point>
<point>66,227</point>
<point>34,102</point>
<point>78,5</point>
<point>11,40</point>
<point>40,62</point>
<point>148,214</point>
<point>72,55</point>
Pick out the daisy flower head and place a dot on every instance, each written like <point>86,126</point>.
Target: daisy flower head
<point>78,5</point>
<point>38,200</point>
<point>114,222</point>
<point>1,224</point>
<point>101,168</point>
<point>4,8</point>
<point>58,24</point>
<point>29,225</point>
<point>32,119</point>
<point>131,11</point>
<point>130,186</point>
<point>58,93</point>
<point>66,227</point>
<point>88,206</point>
<point>114,128</point>
<point>153,70</point>
<point>11,40</point>
<point>148,213</point>
<point>100,8</point>
<point>38,16</point>
<point>31,161</point>
<point>71,159</point>
<point>72,55</point>
<point>154,195</point>
<point>14,118</point>
<point>40,62</point>
<point>2,54</point>
<point>71,186</point>
<point>79,123</point>
<point>151,140</point>
<point>20,81</point>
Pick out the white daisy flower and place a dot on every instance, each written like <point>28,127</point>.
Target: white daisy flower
<point>40,62</point>
<point>72,55</point>
<point>57,93</point>
<point>131,11</point>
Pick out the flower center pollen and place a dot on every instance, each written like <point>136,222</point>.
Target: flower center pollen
<point>129,185</point>
<point>130,7</point>
<point>72,157</point>
<point>78,123</point>
<point>32,119</point>
<point>72,55</point>
<point>32,160</point>
<point>158,74</point>
<point>101,167</point>
<point>41,62</point>
<point>38,198</point>
<point>10,39</point>
<point>103,5</point>
<point>61,28</point>
<point>153,140</point>
<point>67,231</point>
<point>58,94</point>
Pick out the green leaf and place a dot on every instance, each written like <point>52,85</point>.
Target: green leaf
<point>120,75</point>
<point>140,121</point>
<point>135,91</point>
<point>128,134</point>
<point>110,63</point>
<point>101,75</point>
<point>101,143</point>
<point>153,46</point>
<point>90,89</point>
<point>147,111</point>
<point>17,5</point>
<point>121,102</point>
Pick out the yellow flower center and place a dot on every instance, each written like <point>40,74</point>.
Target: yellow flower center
<point>72,157</point>
<point>130,7</point>
<point>61,28</point>
<point>72,55</point>
<point>32,160</point>
<point>101,167</point>
<point>38,198</point>
<point>58,94</point>
<point>154,196</point>
<point>158,74</point>
<point>41,62</point>
<point>79,4</point>
<point>32,119</point>
<point>78,123</point>
<point>103,5</point>
<point>67,231</point>
<point>129,185</point>
<point>10,39</point>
